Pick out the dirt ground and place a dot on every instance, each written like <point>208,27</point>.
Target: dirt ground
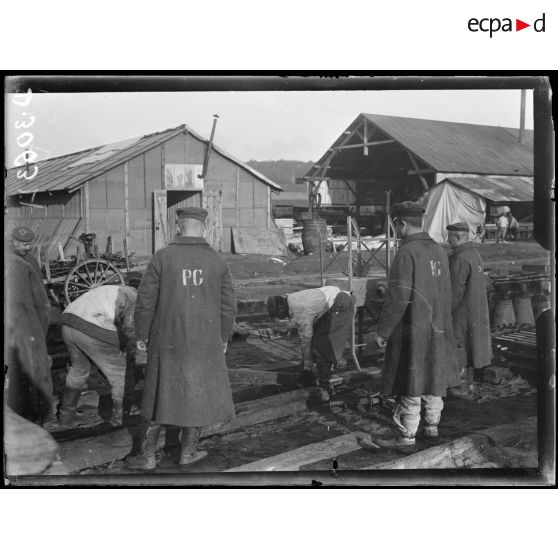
<point>264,345</point>
<point>252,266</point>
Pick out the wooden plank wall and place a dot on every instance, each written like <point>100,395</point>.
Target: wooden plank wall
<point>52,216</point>
<point>245,200</point>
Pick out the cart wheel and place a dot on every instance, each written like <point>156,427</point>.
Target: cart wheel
<point>88,275</point>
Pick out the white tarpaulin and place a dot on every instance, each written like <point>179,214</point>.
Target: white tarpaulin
<point>446,204</point>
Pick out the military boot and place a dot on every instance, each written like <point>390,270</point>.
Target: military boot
<point>67,417</point>
<point>171,451</point>
<point>145,459</point>
<point>189,452</point>
<point>430,434</point>
<point>324,371</point>
<point>117,413</point>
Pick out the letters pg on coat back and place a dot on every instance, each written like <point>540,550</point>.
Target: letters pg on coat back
<point>192,277</point>
<point>436,268</point>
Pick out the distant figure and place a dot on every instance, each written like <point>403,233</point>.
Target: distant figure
<point>481,232</point>
<point>513,227</point>
<point>415,322</point>
<point>28,389</point>
<point>469,307</point>
<point>323,317</point>
<point>184,318</point>
<point>501,228</point>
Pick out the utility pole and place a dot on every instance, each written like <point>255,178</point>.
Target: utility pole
<point>522,116</point>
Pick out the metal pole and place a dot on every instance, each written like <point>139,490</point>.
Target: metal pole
<point>209,147</point>
<point>388,231</point>
<point>522,116</point>
<point>350,272</point>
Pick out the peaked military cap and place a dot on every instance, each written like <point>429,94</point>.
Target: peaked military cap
<point>23,234</point>
<point>458,227</point>
<point>198,213</point>
<point>407,209</point>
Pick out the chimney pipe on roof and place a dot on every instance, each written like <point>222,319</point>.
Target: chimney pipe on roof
<point>522,117</point>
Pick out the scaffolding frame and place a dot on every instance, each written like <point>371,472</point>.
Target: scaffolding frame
<point>356,268</point>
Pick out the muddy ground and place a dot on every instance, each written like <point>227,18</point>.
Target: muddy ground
<point>265,345</point>
<point>262,344</point>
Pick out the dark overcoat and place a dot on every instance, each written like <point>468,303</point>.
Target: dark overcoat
<point>469,306</point>
<point>420,354</point>
<point>29,385</point>
<point>185,309</point>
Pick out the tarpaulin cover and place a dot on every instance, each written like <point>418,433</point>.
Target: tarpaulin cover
<point>446,204</point>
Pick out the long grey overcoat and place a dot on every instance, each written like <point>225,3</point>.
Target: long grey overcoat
<point>186,309</point>
<point>420,354</point>
<point>29,387</point>
<point>469,306</point>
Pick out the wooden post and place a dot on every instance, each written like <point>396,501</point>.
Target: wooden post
<point>126,207</point>
<point>237,197</point>
<point>126,255</point>
<point>86,206</point>
<point>163,186</point>
<point>269,208</point>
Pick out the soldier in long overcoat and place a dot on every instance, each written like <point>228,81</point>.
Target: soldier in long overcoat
<point>184,315</point>
<point>28,386</point>
<point>469,304</point>
<point>415,321</point>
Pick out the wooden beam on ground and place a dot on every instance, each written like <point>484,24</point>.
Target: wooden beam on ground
<point>251,376</point>
<point>485,448</point>
<point>113,446</point>
<point>293,460</point>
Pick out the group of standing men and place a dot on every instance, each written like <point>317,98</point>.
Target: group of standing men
<point>433,324</point>
<point>507,226</point>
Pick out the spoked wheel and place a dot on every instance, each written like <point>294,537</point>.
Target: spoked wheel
<point>88,275</point>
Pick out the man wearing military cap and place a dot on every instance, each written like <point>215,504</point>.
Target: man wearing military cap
<point>415,327</point>
<point>29,382</point>
<point>184,316</point>
<point>469,307</point>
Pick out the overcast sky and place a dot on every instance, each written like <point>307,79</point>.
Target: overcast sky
<point>252,125</point>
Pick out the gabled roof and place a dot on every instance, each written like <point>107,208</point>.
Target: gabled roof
<point>459,147</point>
<point>70,172</point>
<point>497,188</point>
<point>454,146</point>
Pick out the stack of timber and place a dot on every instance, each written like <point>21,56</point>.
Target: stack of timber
<point>522,347</point>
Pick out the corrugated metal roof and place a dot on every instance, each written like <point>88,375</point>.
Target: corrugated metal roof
<point>454,146</point>
<point>498,189</point>
<point>459,147</point>
<point>70,172</point>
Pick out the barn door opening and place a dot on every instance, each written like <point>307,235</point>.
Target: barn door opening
<point>165,203</point>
